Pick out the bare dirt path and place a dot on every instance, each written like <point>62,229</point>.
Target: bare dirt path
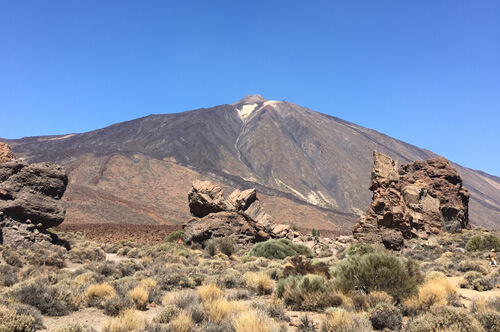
<point>469,295</point>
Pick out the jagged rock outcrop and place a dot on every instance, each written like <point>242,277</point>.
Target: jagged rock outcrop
<point>30,201</point>
<point>5,153</point>
<point>239,216</point>
<point>415,200</point>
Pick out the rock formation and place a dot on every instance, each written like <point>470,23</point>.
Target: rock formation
<point>30,201</point>
<point>5,153</point>
<point>416,200</point>
<point>240,216</point>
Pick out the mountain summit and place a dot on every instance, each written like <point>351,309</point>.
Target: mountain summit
<point>312,169</point>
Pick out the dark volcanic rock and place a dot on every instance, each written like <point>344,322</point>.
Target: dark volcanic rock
<point>232,217</point>
<point>30,200</point>
<point>416,200</point>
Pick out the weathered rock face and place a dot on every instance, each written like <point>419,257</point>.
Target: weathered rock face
<point>5,153</point>
<point>30,200</point>
<point>416,200</point>
<point>240,216</point>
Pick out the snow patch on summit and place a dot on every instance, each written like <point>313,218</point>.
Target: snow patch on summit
<point>246,110</point>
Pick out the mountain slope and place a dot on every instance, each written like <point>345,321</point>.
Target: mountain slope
<point>314,166</point>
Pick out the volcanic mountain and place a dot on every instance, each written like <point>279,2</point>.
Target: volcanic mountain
<point>310,169</point>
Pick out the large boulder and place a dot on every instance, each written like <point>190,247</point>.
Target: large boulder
<point>30,200</point>
<point>5,153</point>
<point>416,200</point>
<point>240,216</point>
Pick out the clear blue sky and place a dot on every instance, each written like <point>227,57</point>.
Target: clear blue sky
<point>425,72</point>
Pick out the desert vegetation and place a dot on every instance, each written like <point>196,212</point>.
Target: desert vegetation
<point>275,285</point>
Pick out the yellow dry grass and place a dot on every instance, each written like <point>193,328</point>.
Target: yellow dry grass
<point>99,291</point>
<point>140,296</point>
<point>217,310</point>
<point>250,321</point>
<point>128,320</point>
<point>260,283</point>
<point>433,292</point>
<point>338,320</point>
<point>183,322</point>
<point>210,292</point>
<point>148,283</point>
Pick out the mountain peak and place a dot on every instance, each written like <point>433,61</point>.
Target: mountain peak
<point>250,99</point>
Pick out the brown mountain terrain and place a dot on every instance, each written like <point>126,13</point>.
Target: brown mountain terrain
<point>310,169</point>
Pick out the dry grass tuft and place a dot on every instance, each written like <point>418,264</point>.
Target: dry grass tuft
<point>251,321</point>
<point>217,310</point>
<point>259,283</point>
<point>434,292</point>
<point>148,283</point>
<point>140,296</point>
<point>100,291</point>
<point>210,292</point>
<point>128,320</point>
<point>182,322</point>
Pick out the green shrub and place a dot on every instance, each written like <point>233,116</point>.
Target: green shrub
<point>386,316</point>
<point>279,249</point>
<point>307,293</point>
<point>445,318</point>
<point>490,321</point>
<point>484,241</point>
<point>175,236</point>
<point>378,272</point>
<point>360,249</point>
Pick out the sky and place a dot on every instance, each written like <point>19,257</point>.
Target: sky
<point>425,72</point>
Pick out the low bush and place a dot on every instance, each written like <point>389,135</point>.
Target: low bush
<point>445,319</point>
<point>49,300</point>
<point>434,292</point>
<point>279,249</point>
<point>386,316</point>
<point>210,292</point>
<point>259,283</point>
<point>166,314</point>
<point>490,321</point>
<point>251,321</point>
<point>8,275</point>
<point>114,305</point>
<point>225,245</point>
<point>302,266</point>
<point>10,321</point>
<point>27,310</point>
<point>470,265</point>
<point>128,320</point>
<point>378,272</point>
<point>307,293</point>
<point>483,242</point>
<point>360,249</point>
<point>11,257</point>
<point>182,322</point>
<point>73,328</point>
<point>218,310</point>
<point>339,320</point>
<point>175,236</point>
<point>140,297</point>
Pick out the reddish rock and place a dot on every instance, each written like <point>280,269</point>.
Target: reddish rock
<point>418,199</point>
<point>5,153</point>
<point>205,198</point>
<point>242,200</point>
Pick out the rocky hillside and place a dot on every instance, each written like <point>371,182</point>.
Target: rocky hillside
<point>311,169</point>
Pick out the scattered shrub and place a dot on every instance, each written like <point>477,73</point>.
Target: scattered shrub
<point>434,292</point>
<point>470,265</point>
<point>259,283</point>
<point>482,242</point>
<point>175,236</point>
<point>360,249</point>
<point>341,321</point>
<point>27,310</point>
<point>218,310</point>
<point>447,319</point>
<point>49,300</point>
<point>210,292</point>
<point>251,321</point>
<point>182,322</point>
<point>128,320</point>
<point>225,245</point>
<point>114,305</point>
<point>386,316</point>
<point>8,276</point>
<point>307,293</point>
<point>11,257</point>
<point>279,249</point>
<point>166,314</point>
<point>490,321</point>
<point>378,272</point>
<point>140,297</point>
<point>301,266</point>
<point>72,328</point>
<point>10,321</point>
